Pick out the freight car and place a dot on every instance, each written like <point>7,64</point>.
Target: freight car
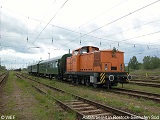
<point>87,65</point>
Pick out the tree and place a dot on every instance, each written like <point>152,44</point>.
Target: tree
<point>133,63</point>
<point>2,68</point>
<point>146,62</point>
<point>151,62</point>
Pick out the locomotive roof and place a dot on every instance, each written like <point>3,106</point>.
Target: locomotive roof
<point>86,46</point>
<point>109,50</point>
<point>52,59</point>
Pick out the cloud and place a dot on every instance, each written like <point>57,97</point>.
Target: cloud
<point>78,24</point>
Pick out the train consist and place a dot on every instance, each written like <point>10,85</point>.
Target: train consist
<point>87,65</point>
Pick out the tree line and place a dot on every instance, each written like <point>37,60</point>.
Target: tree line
<point>2,68</point>
<point>149,63</point>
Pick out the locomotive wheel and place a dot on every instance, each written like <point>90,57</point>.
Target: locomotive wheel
<point>72,80</point>
<point>97,85</point>
<point>82,81</point>
<point>50,77</point>
<point>77,81</point>
<point>87,82</point>
<point>109,87</point>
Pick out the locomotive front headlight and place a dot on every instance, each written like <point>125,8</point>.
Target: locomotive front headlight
<point>129,77</point>
<point>111,77</point>
<point>105,67</point>
<point>121,67</point>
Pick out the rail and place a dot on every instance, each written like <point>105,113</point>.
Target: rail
<point>84,107</point>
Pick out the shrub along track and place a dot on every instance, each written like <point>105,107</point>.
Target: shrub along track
<point>83,108</point>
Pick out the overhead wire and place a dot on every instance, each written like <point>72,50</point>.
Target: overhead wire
<point>130,13</point>
<point>112,34</point>
<point>119,3</point>
<point>81,25</point>
<point>92,19</point>
<point>115,20</point>
<point>50,21</point>
<point>41,21</point>
<point>64,28</point>
<point>133,28</point>
<point>104,38</point>
<point>82,35</point>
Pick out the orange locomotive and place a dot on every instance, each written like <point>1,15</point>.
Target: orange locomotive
<point>89,65</point>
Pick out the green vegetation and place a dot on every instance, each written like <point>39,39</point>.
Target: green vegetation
<point>124,102</point>
<point>133,63</point>
<point>23,101</point>
<point>140,88</point>
<point>149,63</point>
<point>2,68</point>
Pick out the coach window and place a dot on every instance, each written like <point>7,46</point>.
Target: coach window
<point>50,64</point>
<point>53,65</point>
<point>56,64</point>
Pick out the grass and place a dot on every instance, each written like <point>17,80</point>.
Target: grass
<point>30,103</point>
<point>124,102</point>
<point>140,88</point>
<point>143,72</point>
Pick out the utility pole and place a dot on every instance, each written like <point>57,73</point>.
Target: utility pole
<point>49,55</point>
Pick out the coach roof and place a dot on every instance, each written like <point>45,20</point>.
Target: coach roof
<point>52,59</point>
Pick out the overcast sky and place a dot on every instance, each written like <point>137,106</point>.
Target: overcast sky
<point>31,30</point>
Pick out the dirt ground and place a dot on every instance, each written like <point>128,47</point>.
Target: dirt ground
<point>16,102</point>
<point>20,101</point>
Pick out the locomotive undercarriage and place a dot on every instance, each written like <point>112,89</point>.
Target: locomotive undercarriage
<point>97,79</point>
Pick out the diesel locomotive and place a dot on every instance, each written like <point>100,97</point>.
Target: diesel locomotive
<point>87,65</point>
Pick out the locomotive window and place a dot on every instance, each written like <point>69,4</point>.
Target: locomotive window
<point>84,50</point>
<point>75,52</point>
<point>113,68</point>
<point>94,49</point>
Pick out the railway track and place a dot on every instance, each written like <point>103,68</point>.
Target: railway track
<point>135,93</point>
<point>84,108</point>
<point>151,81</point>
<point>146,84</point>
<point>3,77</point>
<point>139,94</point>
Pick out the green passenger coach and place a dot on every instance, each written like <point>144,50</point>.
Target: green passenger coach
<point>54,67</point>
<point>49,67</point>
<point>62,65</point>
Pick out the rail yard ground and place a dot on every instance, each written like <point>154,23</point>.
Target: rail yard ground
<point>20,100</point>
